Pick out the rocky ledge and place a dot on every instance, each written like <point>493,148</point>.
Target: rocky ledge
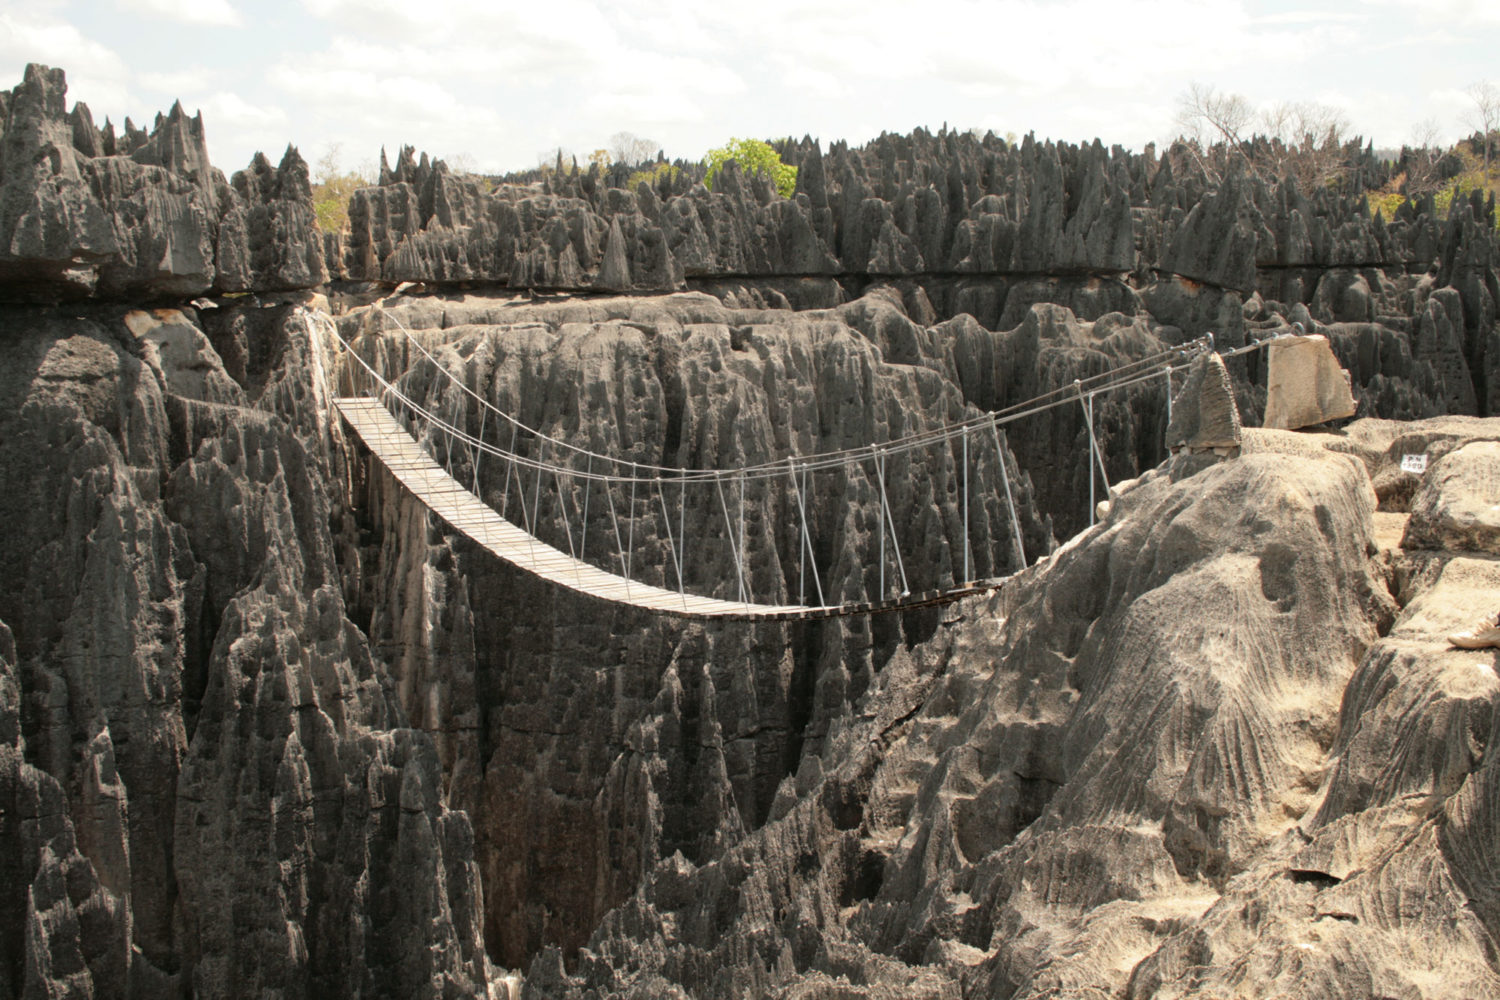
<point>268,727</point>
<point>91,213</point>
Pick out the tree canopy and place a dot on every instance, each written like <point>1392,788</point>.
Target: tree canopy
<point>755,156</point>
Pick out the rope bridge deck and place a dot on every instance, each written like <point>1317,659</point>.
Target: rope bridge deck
<point>446,497</point>
<point>425,451</point>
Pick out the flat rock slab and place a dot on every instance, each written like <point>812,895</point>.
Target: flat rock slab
<point>1458,505</point>
<point>1306,385</point>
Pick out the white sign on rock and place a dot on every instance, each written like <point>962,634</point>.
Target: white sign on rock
<point>1414,463</point>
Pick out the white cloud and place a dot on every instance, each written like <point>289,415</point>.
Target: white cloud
<point>665,109</point>
<point>100,76</point>
<point>500,79</point>
<point>178,82</point>
<point>218,13</point>
<point>1455,12</point>
<point>226,109</point>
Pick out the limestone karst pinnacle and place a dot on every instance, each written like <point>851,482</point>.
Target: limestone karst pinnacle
<point>266,727</point>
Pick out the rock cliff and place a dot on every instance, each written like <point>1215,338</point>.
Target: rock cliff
<point>1204,725</point>
<point>208,786</point>
<point>89,213</point>
<point>269,727</point>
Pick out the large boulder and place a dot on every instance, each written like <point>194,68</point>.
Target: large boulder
<point>1458,505</point>
<point>1305,386</point>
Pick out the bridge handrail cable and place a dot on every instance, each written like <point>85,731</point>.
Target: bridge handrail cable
<point>1133,373</point>
<point>1061,396</point>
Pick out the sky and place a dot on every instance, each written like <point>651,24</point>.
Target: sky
<point>495,85</point>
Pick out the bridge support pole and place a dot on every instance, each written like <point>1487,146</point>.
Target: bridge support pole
<point>1095,456</point>
<point>1088,417</point>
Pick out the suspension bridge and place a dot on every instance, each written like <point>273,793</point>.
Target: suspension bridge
<point>450,461</point>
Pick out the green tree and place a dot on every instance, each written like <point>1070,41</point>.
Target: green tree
<point>754,157</point>
<point>654,175</point>
<point>332,188</point>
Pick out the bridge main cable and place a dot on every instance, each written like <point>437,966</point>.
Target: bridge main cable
<point>1132,373</point>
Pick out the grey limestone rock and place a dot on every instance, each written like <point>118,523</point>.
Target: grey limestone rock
<point>267,726</point>
<point>1205,417</point>
<point>1305,386</point>
<point>1456,506</point>
<point>1026,825</point>
<point>84,215</point>
<point>177,610</point>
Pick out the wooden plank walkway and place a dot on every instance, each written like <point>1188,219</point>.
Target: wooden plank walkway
<point>471,517</point>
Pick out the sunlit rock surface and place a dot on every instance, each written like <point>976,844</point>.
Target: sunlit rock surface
<point>268,728</point>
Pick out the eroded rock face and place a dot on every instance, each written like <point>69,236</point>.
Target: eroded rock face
<point>1458,504</point>
<point>85,213</point>
<point>536,691</point>
<point>1129,785</point>
<point>267,727</point>
<point>208,787</point>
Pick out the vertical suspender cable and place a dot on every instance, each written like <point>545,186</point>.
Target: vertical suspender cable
<point>666,520</point>
<point>1015,521</point>
<point>791,471</point>
<point>729,532</point>
<point>619,543</point>
<point>562,510</point>
<point>588,487</point>
<point>812,557</point>
<point>484,412</point>
<point>880,594</point>
<point>510,467</point>
<point>966,504</point>
<point>534,524</point>
<point>1168,374</point>
<point>630,531</point>
<point>536,504</point>
<point>885,505</point>
<point>744,556</point>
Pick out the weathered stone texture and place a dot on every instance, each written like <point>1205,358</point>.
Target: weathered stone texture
<point>1205,417</point>
<point>208,786</point>
<point>266,727</point>
<point>84,214</point>
<point>1458,504</point>
<point>1305,385</point>
<point>1025,809</point>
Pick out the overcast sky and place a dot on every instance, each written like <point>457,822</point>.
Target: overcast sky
<point>498,82</point>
